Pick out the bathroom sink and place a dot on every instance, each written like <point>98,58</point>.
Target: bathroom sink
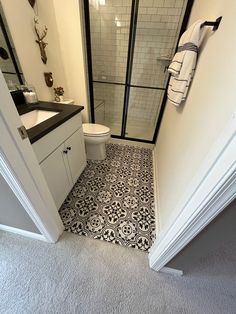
<point>34,117</point>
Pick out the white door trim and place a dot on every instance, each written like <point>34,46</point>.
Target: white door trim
<point>28,234</point>
<point>210,191</point>
<point>13,183</point>
<point>20,168</point>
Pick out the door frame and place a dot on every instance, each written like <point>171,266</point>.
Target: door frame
<point>128,85</point>
<point>210,191</point>
<point>21,170</point>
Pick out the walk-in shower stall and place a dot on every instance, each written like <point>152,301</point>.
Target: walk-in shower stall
<point>129,45</point>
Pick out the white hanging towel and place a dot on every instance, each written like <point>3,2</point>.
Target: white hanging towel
<point>183,65</point>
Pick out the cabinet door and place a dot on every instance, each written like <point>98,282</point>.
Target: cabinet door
<point>76,154</point>
<point>55,170</point>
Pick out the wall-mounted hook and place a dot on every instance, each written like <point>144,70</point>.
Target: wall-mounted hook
<point>48,78</point>
<point>215,24</point>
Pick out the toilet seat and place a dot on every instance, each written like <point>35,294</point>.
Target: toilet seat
<point>95,130</point>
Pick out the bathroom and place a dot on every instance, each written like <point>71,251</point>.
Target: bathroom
<point>111,58</point>
<point>122,92</point>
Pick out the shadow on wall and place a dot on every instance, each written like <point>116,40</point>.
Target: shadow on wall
<point>12,213</point>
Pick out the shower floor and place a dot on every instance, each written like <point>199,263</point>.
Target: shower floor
<point>144,132</point>
<point>113,199</point>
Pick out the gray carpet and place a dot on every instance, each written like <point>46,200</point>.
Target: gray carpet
<point>82,275</point>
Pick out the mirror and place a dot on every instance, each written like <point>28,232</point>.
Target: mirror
<point>9,62</point>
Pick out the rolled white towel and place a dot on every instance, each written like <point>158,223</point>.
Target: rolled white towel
<point>183,65</point>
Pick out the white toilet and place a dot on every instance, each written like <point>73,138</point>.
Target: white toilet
<point>95,137</point>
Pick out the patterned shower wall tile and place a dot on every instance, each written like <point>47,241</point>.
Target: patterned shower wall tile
<point>113,200</point>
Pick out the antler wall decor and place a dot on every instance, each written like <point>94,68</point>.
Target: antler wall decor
<point>40,41</point>
<point>32,3</point>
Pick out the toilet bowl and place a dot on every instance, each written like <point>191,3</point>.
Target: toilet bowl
<point>95,137</point>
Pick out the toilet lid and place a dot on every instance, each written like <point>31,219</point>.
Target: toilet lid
<point>95,129</point>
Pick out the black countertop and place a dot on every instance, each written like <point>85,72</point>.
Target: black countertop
<point>65,113</point>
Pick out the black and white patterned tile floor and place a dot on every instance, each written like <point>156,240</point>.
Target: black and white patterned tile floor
<point>113,199</point>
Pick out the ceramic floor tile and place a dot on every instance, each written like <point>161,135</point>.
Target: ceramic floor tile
<point>113,199</point>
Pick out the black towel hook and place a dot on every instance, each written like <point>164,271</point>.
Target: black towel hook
<point>214,24</point>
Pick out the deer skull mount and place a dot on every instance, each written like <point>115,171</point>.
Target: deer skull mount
<point>40,41</point>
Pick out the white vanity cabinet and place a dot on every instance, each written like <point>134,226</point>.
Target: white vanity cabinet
<point>75,154</point>
<point>56,173</point>
<point>61,155</point>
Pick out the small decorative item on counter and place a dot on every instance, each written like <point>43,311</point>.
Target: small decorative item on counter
<point>29,94</point>
<point>59,92</point>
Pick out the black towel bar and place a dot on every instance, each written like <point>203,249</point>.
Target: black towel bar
<point>214,24</point>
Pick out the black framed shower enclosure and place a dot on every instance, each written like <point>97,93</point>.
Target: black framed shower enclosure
<point>131,93</point>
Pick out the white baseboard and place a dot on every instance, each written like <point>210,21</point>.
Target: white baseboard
<point>171,271</point>
<point>131,143</point>
<point>156,193</point>
<point>24,233</point>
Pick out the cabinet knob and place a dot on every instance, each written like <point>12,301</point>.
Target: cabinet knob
<point>69,148</point>
<point>65,151</point>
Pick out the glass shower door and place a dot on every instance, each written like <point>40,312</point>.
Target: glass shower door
<point>157,29</point>
<point>130,45</point>
<point>143,112</point>
<point>109,33</point>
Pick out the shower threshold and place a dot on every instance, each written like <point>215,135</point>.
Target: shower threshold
<point>144,132</point>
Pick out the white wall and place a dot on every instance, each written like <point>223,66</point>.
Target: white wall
<point>11,211</point>
<point>46,13</point>
<point>70,29</point>
<point>187,134</point>
<point>20,19</point>
<point>65,50</point>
